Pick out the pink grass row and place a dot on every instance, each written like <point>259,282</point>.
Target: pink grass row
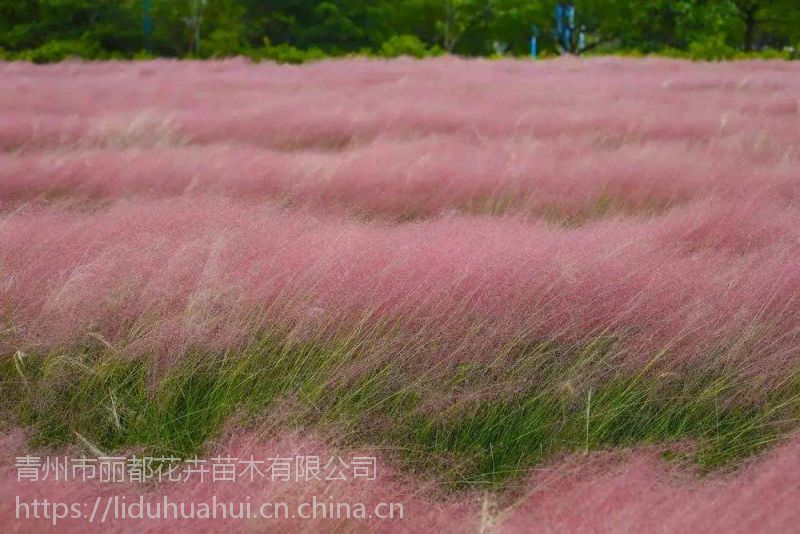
<point>164,205</point>
<point>708,281</point>
<point>629,491</point>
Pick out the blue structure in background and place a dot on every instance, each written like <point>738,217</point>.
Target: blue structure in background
<point>147,24</point>
<point>534,41</point>
<point>565,25</point>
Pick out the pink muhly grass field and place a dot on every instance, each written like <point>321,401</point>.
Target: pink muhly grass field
<point>630,491</point>
<point>201,271</point>
<point>435,213</point>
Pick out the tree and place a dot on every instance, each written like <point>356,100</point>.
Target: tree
<point>105,28</point>
<point>756,14</point>
<point>460,16</point>
<point>106,24</point>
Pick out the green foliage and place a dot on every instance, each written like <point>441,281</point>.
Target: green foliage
<point>766,53</point>
<point>482,439</point>
<point>224,30</point>
<point>59,50</point>
<point>716,50</point>
<point>223,42</point>
<point>712,48</point>
<point>284,53</point>
<point>300,30</point>
<point>404,45</point>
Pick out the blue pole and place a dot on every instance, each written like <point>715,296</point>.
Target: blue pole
<point>147,24</point>
<point>569,41</point>
<point>560,7</point>
<point>534,42</point>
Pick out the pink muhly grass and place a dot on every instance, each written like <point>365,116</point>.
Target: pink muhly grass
<point>638,493</point>
<point>631,491</point>
<point>424,177</point>
<point>332,104</point>
<point>183,272</point>
<point>430,214</point>
<point>424,507</point>
<point>616,135</point>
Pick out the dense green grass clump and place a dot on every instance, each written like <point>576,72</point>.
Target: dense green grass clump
<point>431,425</point>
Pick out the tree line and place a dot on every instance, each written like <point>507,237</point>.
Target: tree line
<point>298,30</point>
